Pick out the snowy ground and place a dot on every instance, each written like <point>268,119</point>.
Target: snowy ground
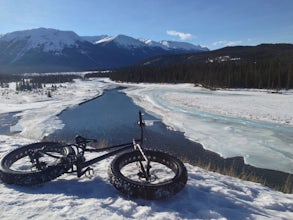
<point>207,195</point>
<point>255,124</point>
<point>38,111</point>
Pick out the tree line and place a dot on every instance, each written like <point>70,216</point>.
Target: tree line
<point>262,74</point>
<point>34,82</point>
<point>27,84</point>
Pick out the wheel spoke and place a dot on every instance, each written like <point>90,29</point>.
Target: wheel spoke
<point>164,176</point>
<point>157,173</point>
<point>30,164</point>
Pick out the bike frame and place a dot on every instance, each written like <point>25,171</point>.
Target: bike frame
<point>81,147</point>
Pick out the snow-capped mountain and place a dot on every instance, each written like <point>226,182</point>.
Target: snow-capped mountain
<point>152,43</point>
<point>182,46</point>
<point>94,39</point>
<point>47,39</point>
<point>174,45</point>
<point>122,41</point>
<point>129,42</point>
<point>45,49</point>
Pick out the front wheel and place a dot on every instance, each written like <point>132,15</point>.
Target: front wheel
<point>34,163</point>
<point>166,175</point>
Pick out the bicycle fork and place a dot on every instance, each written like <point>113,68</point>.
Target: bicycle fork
<point>144,170</point>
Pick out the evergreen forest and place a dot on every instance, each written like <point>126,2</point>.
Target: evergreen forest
<point>35,81</point>
<point>264,67</point>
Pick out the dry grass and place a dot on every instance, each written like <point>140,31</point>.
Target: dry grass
<point>245,174</point>
<point>100,144</point>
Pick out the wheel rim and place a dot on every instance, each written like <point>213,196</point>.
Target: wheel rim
<point>33,158</point>
<point>163,171</point>
<point>24,163</point>
<point>159,173</point>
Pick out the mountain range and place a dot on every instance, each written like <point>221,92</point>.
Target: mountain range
<point>51,50</point>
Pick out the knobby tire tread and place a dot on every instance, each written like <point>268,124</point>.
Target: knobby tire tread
<point>144,190</point>
<point>10,176</point>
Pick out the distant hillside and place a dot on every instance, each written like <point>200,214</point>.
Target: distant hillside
<point>262,66</point>
<point>245,53</point>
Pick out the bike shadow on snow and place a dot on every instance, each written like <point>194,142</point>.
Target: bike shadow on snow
<point>83,188</point>
<point>193,201</point>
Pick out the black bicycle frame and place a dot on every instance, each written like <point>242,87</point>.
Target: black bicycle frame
<point>80,165</point>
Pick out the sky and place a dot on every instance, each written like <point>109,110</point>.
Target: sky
<point>211,23</point>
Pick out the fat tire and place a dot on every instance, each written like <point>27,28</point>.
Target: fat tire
<point>145,190</point>
<point>9,176</point>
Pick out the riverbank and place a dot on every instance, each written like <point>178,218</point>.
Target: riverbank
<point>38,119</point>
<point>231,123</point>
<point>38,112</point>
<point>207,195</point>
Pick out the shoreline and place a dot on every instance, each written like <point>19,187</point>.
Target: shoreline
<point>214,162</point>
<point>190,110</point>
<point>177,144</point>
<point>197,155</point>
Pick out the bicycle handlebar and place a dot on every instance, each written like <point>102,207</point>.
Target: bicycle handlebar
<point>141,124</point>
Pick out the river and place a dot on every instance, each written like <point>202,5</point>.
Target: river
<point>113,119</point>
<point>6,121</point>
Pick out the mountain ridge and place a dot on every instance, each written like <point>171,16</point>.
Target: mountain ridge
<point>265,66</point>
<point>259,52</point>
<point>47,49</point>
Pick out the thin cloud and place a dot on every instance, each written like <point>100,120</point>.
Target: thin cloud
<point>181,35</point>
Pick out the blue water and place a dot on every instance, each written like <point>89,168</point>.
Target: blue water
<point>112,118</point>
<point>6,121</point>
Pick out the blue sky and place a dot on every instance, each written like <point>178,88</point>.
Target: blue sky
<point>211,23</point>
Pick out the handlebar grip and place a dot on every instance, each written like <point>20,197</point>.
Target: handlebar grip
<point>141,122</point>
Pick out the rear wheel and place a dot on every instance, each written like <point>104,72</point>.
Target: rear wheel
<point>166,175</point>
<point>34,163</point>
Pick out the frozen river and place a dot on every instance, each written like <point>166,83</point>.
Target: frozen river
<point>254,124</point>
<point>257,125</point>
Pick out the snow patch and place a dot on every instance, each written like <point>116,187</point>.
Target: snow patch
<point>94,39</point>
<point>207,195</point>
<point>38,113</point>
<point>46,39</point>
<point>230,122</point>
<point>123,41</point>
<point>52,40</point>
<point>173,45</point>
<point>181,46</point>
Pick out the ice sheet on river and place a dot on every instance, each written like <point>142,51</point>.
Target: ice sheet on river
<point>255,124</point>
<point>207,195</point>
<point>38,113</point>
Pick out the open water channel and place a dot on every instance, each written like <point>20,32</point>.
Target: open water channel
<point>6,121</point>
<point>113,119</point>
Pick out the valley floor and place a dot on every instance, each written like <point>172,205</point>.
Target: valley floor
<point>207,195</point>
